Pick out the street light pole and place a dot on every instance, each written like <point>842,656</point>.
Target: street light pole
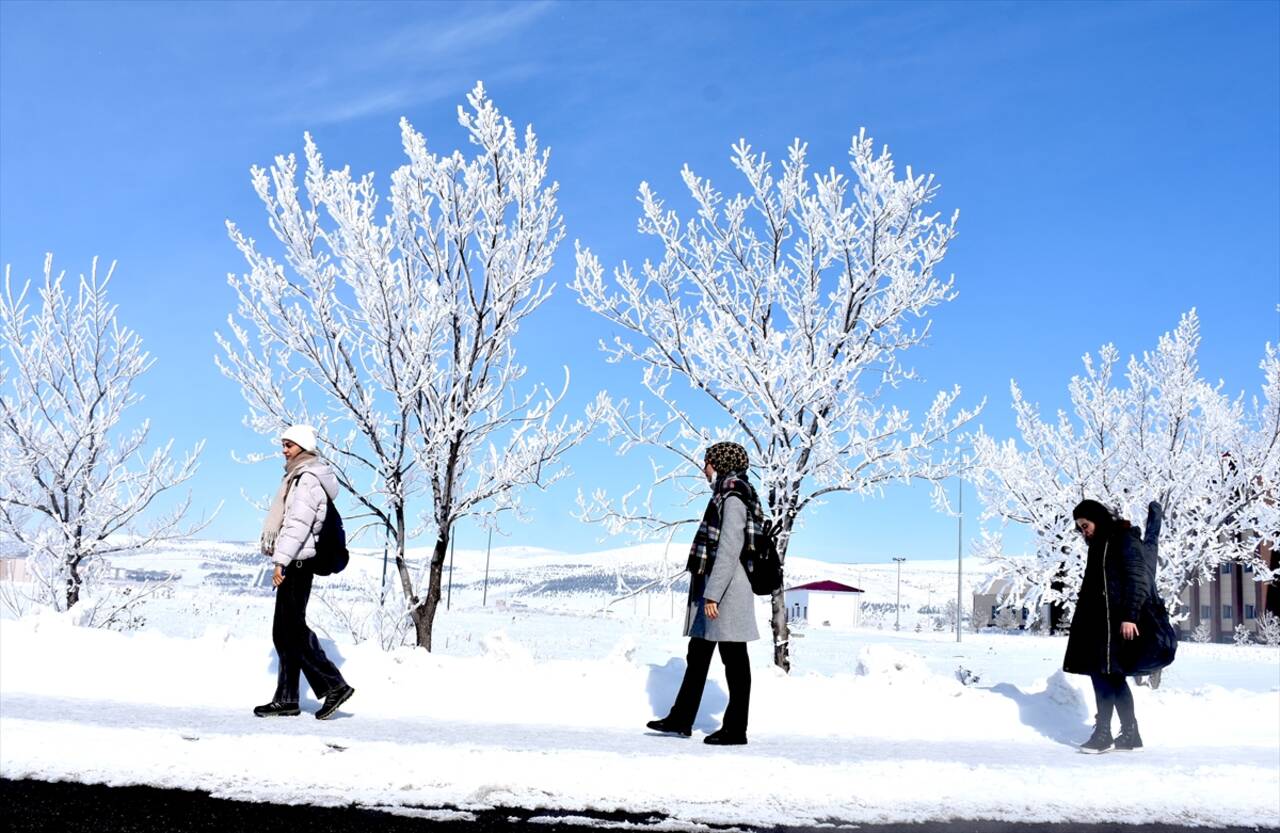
<point>959,557</point>
<point>897,608</point>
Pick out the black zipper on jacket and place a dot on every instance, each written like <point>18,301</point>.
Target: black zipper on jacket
<point>1106,602</point>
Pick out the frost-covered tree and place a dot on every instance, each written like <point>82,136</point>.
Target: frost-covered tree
<point>785,313</point>
<point>76,483</point>
<point>1161,433</point>
<point>395,334</point>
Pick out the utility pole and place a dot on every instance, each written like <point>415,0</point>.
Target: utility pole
<point>960,557</point>
<point>484,600</point>
<point>897,608</point>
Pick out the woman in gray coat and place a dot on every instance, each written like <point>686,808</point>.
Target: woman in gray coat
<point>721,605</point>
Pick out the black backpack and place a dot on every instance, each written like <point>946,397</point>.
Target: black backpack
<point>761,561</point>
<point>331,544</point>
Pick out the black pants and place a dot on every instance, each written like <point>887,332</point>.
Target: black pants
<point>737,672</point>
<point>1113,694</point>
<point>296,645</point>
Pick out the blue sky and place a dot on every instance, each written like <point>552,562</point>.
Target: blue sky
<point>1114,164</point>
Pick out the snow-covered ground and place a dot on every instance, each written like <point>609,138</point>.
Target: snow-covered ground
<point>538,699</point>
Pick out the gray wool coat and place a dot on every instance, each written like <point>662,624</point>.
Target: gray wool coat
<point>727,585</point>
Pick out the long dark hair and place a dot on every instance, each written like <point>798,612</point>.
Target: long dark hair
<point>1107,520</point>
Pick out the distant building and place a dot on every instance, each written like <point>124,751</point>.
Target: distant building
<point>1231,598</point>
<point>989,597</point>
<point>828,604</point>
<point>13,561</point>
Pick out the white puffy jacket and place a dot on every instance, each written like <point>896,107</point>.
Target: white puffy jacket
<point>304,509</point>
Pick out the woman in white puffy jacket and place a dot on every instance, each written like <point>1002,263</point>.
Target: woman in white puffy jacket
<point>289,540</point>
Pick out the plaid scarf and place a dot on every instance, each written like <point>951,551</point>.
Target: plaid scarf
<point>702,556</point>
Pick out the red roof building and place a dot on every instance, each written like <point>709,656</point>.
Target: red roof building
<point>827,604</point>
<point>829,586</point>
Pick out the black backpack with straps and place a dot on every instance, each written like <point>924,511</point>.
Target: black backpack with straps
<point>331,555</point>
<point>761,561</point>
<point>759,556</point>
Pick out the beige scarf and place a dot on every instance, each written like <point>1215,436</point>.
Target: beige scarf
<point>275,515</point>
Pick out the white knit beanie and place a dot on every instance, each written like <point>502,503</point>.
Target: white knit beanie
<point>303,436</point>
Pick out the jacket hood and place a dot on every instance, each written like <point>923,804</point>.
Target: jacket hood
<point>328,480</point>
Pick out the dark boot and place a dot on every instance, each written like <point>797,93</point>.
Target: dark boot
<point>1129,739</point>
<point>1099,741</point>
<point>723,738</point>
<point>336,697</point>
<point>276,709</point>
<point>670,727</point>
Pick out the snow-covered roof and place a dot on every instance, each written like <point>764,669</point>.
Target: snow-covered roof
<point>994,586</point>
<point>13,549</point>
<point>828,586</point>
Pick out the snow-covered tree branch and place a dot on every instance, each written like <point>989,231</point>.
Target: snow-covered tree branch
<point>76,485</point>
<point>787,312</point>
<point>1165,434</point>
<point>403,326</point>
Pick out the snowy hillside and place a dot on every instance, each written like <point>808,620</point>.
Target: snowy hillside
<point>547,579</point>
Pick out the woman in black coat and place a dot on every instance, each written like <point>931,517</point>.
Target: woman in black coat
<point>1119,627</point>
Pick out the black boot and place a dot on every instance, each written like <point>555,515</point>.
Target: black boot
<point>336,697</point>
<point>1099,741</point>
<point>274,709</point>
<point>723,738</point>
<point>1129,739</point>
<point>670,727</point>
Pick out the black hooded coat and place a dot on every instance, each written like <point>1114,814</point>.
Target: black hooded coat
<point>1117,587</point>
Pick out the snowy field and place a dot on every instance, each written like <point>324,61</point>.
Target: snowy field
<point>538,698</point>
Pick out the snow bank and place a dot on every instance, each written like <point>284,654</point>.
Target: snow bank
<point>889,739</point>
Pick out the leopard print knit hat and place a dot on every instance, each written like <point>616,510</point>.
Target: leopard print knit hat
<point>727,458</point>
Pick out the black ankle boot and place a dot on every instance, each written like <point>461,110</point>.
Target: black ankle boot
<point>1129,739</point>
<point>723,738</point>
<point>275,709</point>
<point>668,726</point>
<point>333,699</point>
<point>1099,741</point>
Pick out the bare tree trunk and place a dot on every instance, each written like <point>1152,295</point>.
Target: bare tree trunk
<point>781,632</point>
<point>73,581</point>
<point>778,620</point>
<point>425,614</point>
<point>417,608</point>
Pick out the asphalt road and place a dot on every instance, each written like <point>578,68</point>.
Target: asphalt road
<point>68,807</point>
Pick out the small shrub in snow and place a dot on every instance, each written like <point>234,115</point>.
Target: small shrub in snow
<point>1242,635</point>
<point>365,611</point>
<point>1007,618</point>
<point>1269,629</point>
<point>1202,633</point>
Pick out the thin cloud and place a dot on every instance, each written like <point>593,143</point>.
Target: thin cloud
<point>403,69</point>
<point>427,41</point>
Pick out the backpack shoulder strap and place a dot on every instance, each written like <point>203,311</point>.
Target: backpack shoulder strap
<point>298,477</point>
